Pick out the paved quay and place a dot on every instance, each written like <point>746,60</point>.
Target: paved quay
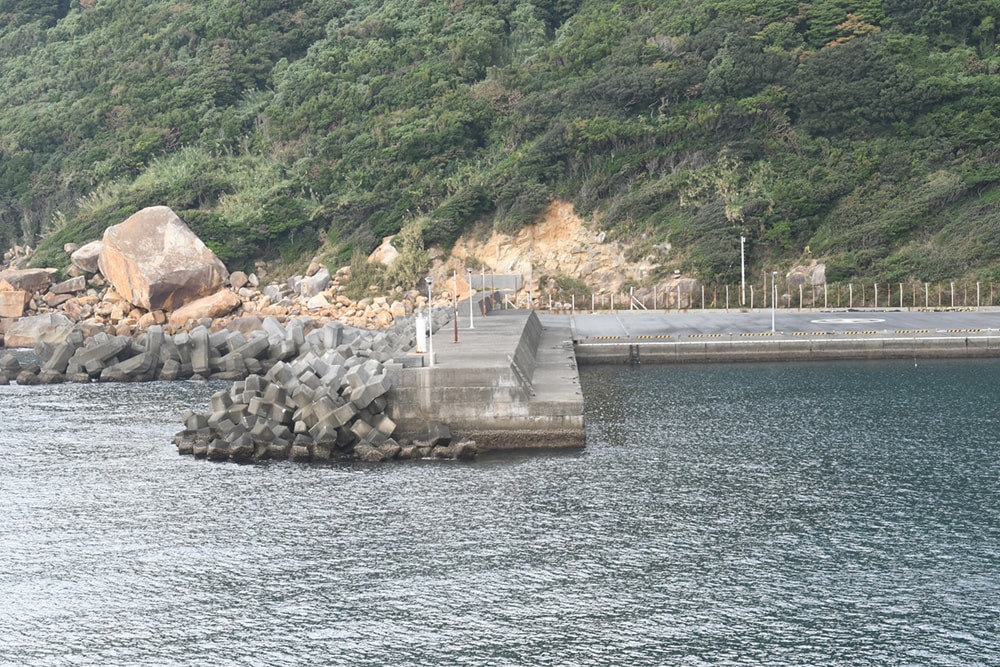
<point>781,334</point>
<point>509,382</point>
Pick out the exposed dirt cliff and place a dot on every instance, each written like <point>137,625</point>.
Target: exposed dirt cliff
<point>559,245</point>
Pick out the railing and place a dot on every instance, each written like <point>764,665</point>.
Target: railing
<point>690,295</point>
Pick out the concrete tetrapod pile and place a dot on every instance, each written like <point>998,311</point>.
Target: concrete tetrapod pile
<point>295,395</point>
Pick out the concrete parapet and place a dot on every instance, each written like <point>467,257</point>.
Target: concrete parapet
<point>804,349</point>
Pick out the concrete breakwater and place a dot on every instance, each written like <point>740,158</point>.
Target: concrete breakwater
<point>800,349</point>
<point>509,382</point>
<point>307,392</point>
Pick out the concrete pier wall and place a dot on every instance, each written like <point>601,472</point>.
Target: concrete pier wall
<point>814,349</point>
<point>509,383</point>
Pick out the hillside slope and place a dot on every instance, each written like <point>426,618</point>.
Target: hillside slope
<point>860,133</point>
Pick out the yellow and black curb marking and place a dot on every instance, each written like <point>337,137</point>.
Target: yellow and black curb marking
<point>607,337</point>
<point>964,330</point>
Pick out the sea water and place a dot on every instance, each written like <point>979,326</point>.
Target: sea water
<point>759,514</point>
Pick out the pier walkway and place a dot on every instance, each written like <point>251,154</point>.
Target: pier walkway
<point>508,382</point>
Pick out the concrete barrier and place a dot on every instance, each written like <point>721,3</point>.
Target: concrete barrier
<point>815,349</point>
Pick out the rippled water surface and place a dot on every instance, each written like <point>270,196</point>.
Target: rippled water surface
<point>741,515</point>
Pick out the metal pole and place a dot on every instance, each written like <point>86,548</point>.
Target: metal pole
<point>953,294</point>
<point>482,287</point>
<point>927,295</point>
<point>743,270</point>
<point>454,301</point>
<point>727,298</point>
<point>530,279</point>
<point>774,296</point>
<point>472,325</point>
<point>430,320</point>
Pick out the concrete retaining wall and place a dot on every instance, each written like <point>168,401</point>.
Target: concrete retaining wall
<point>816,349</point>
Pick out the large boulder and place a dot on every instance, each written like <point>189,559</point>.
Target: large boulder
<point>29,280</point>
<point>53,328</point>
<point>86,257</point>
<point>12,302</point>
<point>156,262</point>
<point>386,254</point>
<point>215,305</point>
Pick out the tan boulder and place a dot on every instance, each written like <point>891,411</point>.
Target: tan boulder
<point>215,305</point>
<point>29,280</point>
<point>386,254</point>
<point>398,309</point>
<point>27,331</point>
<point>71,286</point>
<point>12,303</point>
<point>86,256</point>
<point>156,262</point>
<point>146,320</point>
<point>238,279</point>
<point>54,300</point>
<point>78,309</point>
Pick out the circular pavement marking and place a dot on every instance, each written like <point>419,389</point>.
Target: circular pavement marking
<point>848,320</point>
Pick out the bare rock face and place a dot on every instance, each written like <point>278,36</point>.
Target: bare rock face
<point>156,262</point>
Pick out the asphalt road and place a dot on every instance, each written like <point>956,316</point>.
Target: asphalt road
<point>786,323</point>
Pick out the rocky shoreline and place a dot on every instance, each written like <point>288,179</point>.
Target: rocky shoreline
<point>151,302</point>
<point>302,391</point>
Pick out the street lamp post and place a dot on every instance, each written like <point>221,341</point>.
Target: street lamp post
<point>454,301</point>
<point>430,320</point>
<point>743,271</point>
<point>472,324</point>
<point>774,296</point>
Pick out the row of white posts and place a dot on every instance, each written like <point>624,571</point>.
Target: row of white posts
<point>884,296</point>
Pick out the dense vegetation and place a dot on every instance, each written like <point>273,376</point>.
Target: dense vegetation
<point>860,132</point>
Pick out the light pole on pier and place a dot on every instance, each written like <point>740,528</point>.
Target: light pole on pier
<point>430,320</point>
<point>774,296</point>
<point>472,324</point>
<point>743,271</point>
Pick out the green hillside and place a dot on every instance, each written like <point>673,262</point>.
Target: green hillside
<point>862,133</point>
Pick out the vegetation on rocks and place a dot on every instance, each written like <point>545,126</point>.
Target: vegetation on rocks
<point>864,134</point>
